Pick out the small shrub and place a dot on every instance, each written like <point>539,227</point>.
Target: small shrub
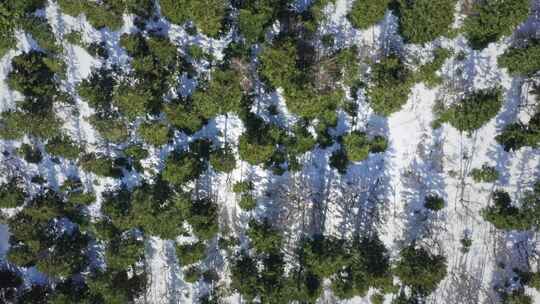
<point>434,202</point>
<point>247,202</point>
<point>30,153</point>
<point>242,187</point>
<point>486,174</point>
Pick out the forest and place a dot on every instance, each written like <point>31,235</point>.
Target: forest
<point>270,151</point>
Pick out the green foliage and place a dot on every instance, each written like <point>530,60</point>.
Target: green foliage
<point>428,72</point>
<point>339,160</point>
<point>252,23</point>
<point>522,61</point>
<point>493,19</point>
<point>33,78</point>
<point>466,244</point>
<point>42,33</point>
<point>421,21</point>
<point>63,146</point>
<point>154,133</point>
<point>223,159</point>
<point>358,146</point>
<point>111,128</point>
<point>12,193</point>
<point>16,124</point>
<point>201,214</point>
<point>518,135</point>
<point>255,148</point>
<point>208,16</point>
<point>391,85</point>
<point>183,116</point>
<point>116,287</point>
<point>222,94</point>
<point>242,187</point>
<point>97,89</point>
<point>420,270</point>
<point>107,13</point>
<point>131,101</point>
<point>434,202</point>
<point>365,13</point>
<point>504,215</point>
<point>534,281</point>
<point>324,255</point>
<point>123,252</point>
<point>182,167</point>
<point>486,174</point>
<point>474,110</point>
<point>30,153</point>
<point>100,165</point>
<point>264,238</point>
<point>367,266</point>
<point>247,202</point>
<point>148,207</point>
<point>278,64</point>
<point>191,253</point>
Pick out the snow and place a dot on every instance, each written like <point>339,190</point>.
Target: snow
<point>385,192</point>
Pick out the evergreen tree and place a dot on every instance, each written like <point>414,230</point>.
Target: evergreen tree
<point>493,19</point>
<point>420,270</point>
<point>365,13</point>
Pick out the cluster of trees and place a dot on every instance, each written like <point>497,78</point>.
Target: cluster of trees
<point>107,13</point>
<point>491,20</point>
<point>474,110</point>
<point>505,215</point>
<point>353,267</point>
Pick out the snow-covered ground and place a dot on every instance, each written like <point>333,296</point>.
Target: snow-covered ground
<point>384,192</point>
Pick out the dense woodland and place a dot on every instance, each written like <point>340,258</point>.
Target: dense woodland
<point>91,245</point>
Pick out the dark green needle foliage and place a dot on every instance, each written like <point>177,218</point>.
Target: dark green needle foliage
<point>428,72</point>
<point>434,202</point>
<point>106,13</point>
<point>504,214</point>
<point>391,85</point>
<point>523,61</point>
<point>474,110</point>
<point>485,174</point>
<point>358,146</point>
<point>420,270</point>
<point>518,135</point>
<point>421,21</point>
<point>208,16</point>
<point>365,13</point>
<point>492,20</point>
<point>12,193</point>
<point>190,253</point>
